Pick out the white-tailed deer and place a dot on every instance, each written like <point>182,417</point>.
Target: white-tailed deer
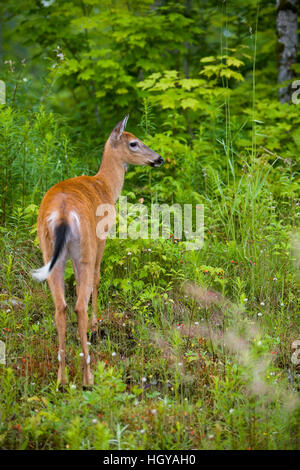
<point>67,223</point>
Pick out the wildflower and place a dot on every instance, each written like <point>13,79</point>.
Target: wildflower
<point>142,431</point>
<point>95,421</point>
<point>144,379</point>
<point>180,364</point>
<point>154,412</point>
<point>231,411</point>
<point>81,354</point>
<point>73,387</point>
<point>262,303</point>
<point>17,427</point>
<point>259,314</point>
<point>196,323</point>
<point>129,253</point>
<point>246,300</point>
<point>113,354</point>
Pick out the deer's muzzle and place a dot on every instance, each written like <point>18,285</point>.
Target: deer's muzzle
<point>159,161</point>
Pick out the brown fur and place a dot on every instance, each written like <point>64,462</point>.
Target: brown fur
<point>83,195</point>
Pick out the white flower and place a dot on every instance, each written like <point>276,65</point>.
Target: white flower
<point>259,314</point>
<point>231,411</point>
<point>129,253</point>
<point>246,300</point>
<point>144,379</point>
<point>94,421</point>
<point>180,364</point>
<point>113,354</point>
<point>81,354</point>
<point>262,303</point>
<point>154,412</point>
<point>73,386</point>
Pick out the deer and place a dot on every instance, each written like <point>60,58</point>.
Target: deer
<point>67,228</point>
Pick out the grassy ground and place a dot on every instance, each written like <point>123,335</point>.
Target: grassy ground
<point>193,352</point>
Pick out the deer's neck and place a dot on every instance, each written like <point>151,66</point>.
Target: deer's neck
<point>112,172</point>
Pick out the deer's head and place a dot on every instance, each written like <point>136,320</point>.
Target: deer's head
<point>130,149</point>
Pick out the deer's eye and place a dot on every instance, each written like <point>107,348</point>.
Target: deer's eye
<point>133,145</point>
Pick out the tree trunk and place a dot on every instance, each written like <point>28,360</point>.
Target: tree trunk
<point>287,23</point>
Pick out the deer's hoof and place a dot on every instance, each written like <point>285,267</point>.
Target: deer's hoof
<point>88,380</point>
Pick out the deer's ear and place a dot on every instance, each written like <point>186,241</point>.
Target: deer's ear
<point>120,127</point>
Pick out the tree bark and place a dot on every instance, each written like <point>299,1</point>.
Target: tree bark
<point>287,23</point>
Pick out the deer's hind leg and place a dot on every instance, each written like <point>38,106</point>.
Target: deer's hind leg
<point>86,275</point>
<point>56,283</point>
<point>96,282</point>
